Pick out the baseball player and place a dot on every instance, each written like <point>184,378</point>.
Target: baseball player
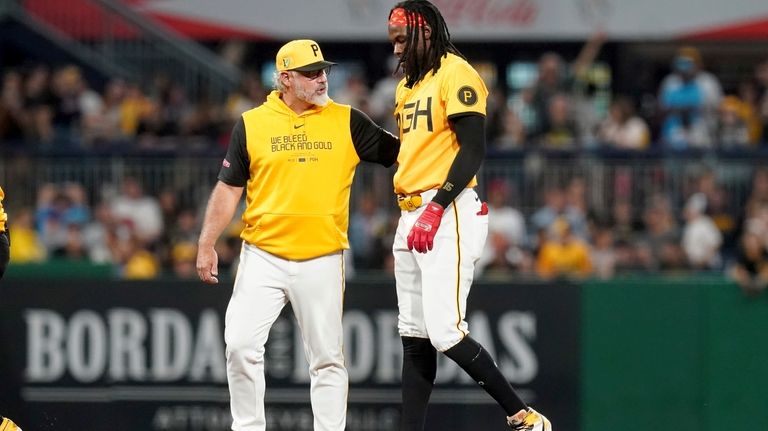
<point>5,239</point>
<point>440,109</point>
<point>295,156</point>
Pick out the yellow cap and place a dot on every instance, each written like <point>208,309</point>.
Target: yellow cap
<point>302,55</point>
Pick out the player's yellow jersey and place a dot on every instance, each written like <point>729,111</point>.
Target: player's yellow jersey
<point>3,215</point>
<point>428,145</point>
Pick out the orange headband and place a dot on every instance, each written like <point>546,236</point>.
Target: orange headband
<point>399,18</point>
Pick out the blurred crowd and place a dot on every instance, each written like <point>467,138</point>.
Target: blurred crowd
<point>150,233</point>
<point>144,235</point>
<point>139,235</point>
<point>56,110</point>
<point>690,109</point>
<point>46,110</point>
<point>564,237</point>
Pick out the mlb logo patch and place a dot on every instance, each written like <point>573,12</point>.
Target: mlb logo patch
<point>225,163</point>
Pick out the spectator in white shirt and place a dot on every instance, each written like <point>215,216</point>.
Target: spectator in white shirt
<point>504,250</point>
<point>701,237</point>
<point>622,129</point>
<point>139,211</point>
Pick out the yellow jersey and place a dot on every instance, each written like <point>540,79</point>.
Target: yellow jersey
<point>428,145</point>
<point>3,215</point>
<point>297,170</point>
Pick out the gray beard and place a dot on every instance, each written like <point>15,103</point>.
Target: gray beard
<point>313,98</point>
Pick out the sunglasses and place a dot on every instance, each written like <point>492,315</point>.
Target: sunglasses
<point>314,74</point>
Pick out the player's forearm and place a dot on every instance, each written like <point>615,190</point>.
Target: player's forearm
<point>470,132</point>
<point>219,212</point>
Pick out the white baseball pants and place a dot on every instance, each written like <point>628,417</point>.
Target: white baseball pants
<point>315,289</point>
<point>432,287</point>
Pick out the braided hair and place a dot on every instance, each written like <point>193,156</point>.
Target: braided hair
<point>416,67</point>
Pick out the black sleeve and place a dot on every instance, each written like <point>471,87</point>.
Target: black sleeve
<point>470,132</point>
<point>234,169</point>
<point>5,251</point>
<point>372,143</point>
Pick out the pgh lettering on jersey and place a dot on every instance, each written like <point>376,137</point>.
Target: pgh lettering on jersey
<point>428,146</point>
<point>412,112</point>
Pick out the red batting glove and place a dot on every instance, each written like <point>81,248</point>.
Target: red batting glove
<point>423,232</point>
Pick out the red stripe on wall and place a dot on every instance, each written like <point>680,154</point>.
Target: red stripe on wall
<point>752,29</point>
<point>198,29</point>
<point>83,20</point>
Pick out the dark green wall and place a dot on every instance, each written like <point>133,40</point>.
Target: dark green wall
<point>673,354</point>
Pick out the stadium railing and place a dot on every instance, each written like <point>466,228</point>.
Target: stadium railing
<point>607,176</point>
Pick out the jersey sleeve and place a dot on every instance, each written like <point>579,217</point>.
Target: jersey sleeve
<point>372,143</point>
<point>234,168</point>
<point>463,91</point>
<point>470,133</point>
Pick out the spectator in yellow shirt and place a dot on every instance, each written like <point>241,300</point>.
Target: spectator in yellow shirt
<point>140,263</point>
<point>563,254</point>
<point>27,247</point>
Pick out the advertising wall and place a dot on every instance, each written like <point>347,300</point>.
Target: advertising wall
<point>100,355</point>
<point>477,20</point>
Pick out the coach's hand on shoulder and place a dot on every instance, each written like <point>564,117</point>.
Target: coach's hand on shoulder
<point>422,234</point>
<point>207,264</point>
